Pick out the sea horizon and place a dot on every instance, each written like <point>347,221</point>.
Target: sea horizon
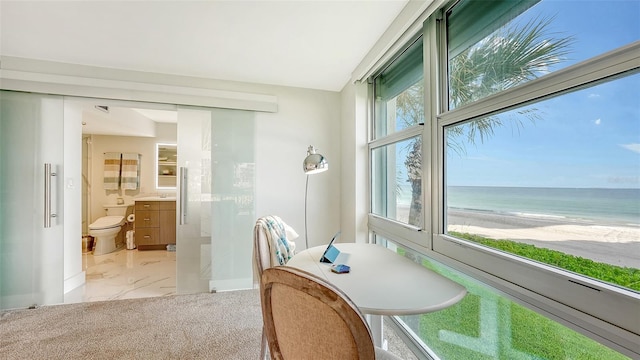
<point>616,206</point>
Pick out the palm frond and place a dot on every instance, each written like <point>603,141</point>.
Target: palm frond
<point>508,57</point>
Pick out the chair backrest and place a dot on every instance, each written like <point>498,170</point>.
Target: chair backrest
<point>261,252</point>
<point>306,317</point>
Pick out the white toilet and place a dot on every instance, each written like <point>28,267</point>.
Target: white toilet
<point>105,229</point>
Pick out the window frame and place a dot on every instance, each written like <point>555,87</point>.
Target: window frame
<point>408,231</point>
<point>596,309</point>
<point>599,304</point>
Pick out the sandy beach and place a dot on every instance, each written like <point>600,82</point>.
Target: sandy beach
<point>613,244</point>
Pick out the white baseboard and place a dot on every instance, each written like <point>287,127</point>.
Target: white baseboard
<point>231,284</point>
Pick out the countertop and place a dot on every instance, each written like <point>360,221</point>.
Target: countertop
<point>155,198</point>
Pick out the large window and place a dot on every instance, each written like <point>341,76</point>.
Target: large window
<point>488,325</point>
<point>399,93</point>
<point>398,188</point>
<point>531,178</point>
<point>496,45</point>
<point>396,152</point>
<point>556,181</point>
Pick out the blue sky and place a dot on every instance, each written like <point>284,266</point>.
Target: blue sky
<point>589,138</point>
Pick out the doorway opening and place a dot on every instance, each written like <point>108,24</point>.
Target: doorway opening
<point>130,271</point>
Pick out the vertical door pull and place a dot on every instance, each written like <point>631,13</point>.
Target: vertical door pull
<point>48,174</point>
<point>183,195</point>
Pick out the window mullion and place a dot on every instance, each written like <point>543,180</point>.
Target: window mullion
<point>396,137</point>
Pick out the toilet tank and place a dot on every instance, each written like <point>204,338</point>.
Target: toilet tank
<point>113,209</point>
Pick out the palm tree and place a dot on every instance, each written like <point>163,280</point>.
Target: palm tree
<point>508,57</point>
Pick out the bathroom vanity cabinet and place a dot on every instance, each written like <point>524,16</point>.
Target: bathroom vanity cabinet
<point>155,224</point>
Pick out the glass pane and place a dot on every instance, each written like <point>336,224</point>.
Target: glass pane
<point>488,325</point>
<point>529,41</point>
<point>399,94</point>
<point>557,181</point>
<point>397,181</point>
<point>214,243</point>
<point>233,194</point>
<point>193,241</point>
<point>31,255</point>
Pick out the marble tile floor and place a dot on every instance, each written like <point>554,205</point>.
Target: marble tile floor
<point>126,274</point>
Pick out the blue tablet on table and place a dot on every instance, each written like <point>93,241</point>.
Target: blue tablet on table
<point>331,253</point>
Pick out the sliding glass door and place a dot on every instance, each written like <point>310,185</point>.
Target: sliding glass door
<point>31,200</point>
<point>215,199</point>
<point>193,238</point>
<point>233,194</point>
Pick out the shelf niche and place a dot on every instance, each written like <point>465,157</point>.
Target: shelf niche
<point>166,165</point>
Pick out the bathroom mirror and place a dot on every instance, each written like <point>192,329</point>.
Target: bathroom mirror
<point>166,166</point>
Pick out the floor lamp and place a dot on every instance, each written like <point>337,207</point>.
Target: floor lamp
<point>314,163</point>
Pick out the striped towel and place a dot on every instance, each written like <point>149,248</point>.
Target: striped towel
<point>130,171</point>
<point>111,171</point>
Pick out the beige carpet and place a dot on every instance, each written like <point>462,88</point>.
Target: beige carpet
<point>225,325</point>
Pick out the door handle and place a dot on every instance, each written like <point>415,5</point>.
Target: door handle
<point>48,174</point>
<point>183,195</point>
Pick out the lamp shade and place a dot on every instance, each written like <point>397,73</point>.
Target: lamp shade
<point>314,163</point>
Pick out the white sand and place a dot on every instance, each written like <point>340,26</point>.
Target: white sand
<point>612,244</point>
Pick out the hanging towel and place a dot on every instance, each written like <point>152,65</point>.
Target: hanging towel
<point>280,236</point>
<point>111,171</point>
<point>130,171</point>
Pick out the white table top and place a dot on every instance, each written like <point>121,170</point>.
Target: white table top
<point>382,282</point>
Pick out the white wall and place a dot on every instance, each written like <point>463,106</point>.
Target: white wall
<point>305,117</point>
<point>72,218</point>
<point>354,189</point>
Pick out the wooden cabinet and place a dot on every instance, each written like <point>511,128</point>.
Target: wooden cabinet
<point>155,224</point>
<point>167,216</point>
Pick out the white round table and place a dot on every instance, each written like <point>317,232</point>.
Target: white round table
<point>382,282</point>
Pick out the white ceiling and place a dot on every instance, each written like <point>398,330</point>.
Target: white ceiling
<point>119,121</point>
<point>310,44</point>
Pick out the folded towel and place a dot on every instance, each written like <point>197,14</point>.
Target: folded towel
<point>130,171</point>
<point>111,171</point>
<point>280,236</point>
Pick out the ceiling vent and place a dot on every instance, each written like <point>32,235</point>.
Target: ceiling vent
<point>103,108</point>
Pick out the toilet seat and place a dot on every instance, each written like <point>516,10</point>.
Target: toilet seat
<point>107,222</point>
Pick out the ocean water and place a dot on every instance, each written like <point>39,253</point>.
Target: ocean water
<point>616,206</point>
